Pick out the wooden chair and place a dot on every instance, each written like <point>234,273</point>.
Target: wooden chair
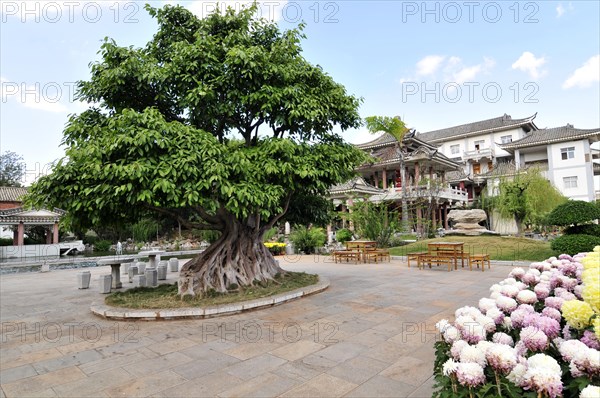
<point>479,259</point>
<point>340,255</point>
<point>415,257</point>
<point>437,260</point>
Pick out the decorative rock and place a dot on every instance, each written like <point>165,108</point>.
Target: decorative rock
<point>466,222</point>
<point>105,283</point>
<point>83,279</point>
<point>141,267</point>
<point>139,281</point>
<point>174,265</point>
<point>162,272</point>
<point>132,271</point>
<point>151,277</point>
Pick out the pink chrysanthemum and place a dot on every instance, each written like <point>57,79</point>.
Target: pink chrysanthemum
<point>470,374</point>
<point>503,338</point>
<point>549,326</point>
<point>552,313</point>
<point>554,302</point>
<point>590,340</point>
<point>542,290</point>
<point>533,338</point>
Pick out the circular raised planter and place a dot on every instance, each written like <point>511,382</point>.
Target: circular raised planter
<point>131,314</point>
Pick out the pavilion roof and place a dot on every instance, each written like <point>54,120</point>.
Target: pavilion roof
<point>12,194</point>
<point>30,216</point>
<point>552,135</point>
<point>357,185</point>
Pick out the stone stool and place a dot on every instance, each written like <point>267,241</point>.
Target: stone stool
<point>141,267</point>
<point>139,281</point>
<point>105,283</point>
<point>132,271</point>
<point>83,279</point>
<point>174,265</point>
<point>162,271</point>
<point>151,277</point>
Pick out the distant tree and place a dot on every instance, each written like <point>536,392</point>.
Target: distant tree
<point>573,212</point>
<point>217,122</point>
<point>12,169</point>
<point>395,127</point>
<point>527,196</point>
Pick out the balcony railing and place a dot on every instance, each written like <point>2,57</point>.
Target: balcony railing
<point>478,154</point>
<point>448,193</point>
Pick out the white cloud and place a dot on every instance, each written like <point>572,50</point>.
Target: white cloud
<point>531,65</point>
<point>45,98</point>
<point>429,65</point>
<point>586,75</point>
<point>560,10</point>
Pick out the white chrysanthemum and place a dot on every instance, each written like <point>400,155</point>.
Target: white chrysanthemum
<point>534,272</point>
<point>590,392</point>
<point>495,288</point>
<point>521,285</point>
<point>508,281</point>
<point>507,322</point>
<point>506,304</point>
<point>442,325</point>
<point>471,353</point>
<point>457,347</point>
<point>467,311</point>
<point>503,338</point>
<point>526,297</point>
<point>483,345</point>
<point>501,357</point>
<point>451,334</point>
<point>516,376</point>
<point>449,367</point>
<point>556,263</point>
<point>470,374</point>
<point>569,348</point>
<point>543,361</point>
<point>495,314</point>
<point>510,290</point>
<point>587,361</point>
<point>517,273</point>
<point>495,295</point>
<point>488,323</point>
<point>486,303</point>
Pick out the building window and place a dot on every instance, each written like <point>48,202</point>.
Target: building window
<point>454,149</point>
<point>567,153</point>
<point>479,145</point>
<point>570,182</point>
<point>506,139</point>
<point>476,168</point>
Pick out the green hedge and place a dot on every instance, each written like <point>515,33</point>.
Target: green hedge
<point>585,229</point>
<point>573,244</point>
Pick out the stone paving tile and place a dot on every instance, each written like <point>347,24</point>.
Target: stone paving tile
<point>114,361</point>
<point>206,386</point>
<point>265,385</point>
<point>297,350</point>
<point>250,350</point>
<point>149,366</point>
<point>424,390</point>
<point>28,358</point>
<point>204,362</point>
<point>342,351</point>
<point>75,359</point>
<point>171,345</point>
<point>380,386</point>
<point>323,385</point>
<point>409,370</point>
<point>94,384</point>
<point>146,385</point>
<point>388,351</point>
<point>369,337</point>
<point>13,374</point>
<point>253,367</point>
<point>297,370</point>
<point>123,347</point>
<point>36,384</point>
<point>358,370</point>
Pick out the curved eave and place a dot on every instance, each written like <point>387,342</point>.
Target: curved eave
<point>515,145</point>
<point>519,123</point>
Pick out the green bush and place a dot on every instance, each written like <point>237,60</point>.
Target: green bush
<point>585,229</point>
<point>6,242</point>
<point>89,239</point>
<point>144,230</point>
<point>208,236</point>
<point>102,245</point>
<point>270,234</point>
<point>343,235</point>
<point>573,244</point>
<point>573,212</point>
<point>307,240</point>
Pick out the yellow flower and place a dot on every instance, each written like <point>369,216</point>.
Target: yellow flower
<point>577,313</point>
<point>596,324</point>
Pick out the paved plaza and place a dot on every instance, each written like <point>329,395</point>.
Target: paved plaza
<point>370,334</point>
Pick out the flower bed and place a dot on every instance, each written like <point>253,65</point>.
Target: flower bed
<point>537,335</point>
<point>276,248</point>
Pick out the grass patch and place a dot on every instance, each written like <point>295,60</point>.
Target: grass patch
<point>498,247</point>
<point>165,296</point>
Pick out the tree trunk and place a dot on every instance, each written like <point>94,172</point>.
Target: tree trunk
<point>519,222</point>
<point>238,257</point>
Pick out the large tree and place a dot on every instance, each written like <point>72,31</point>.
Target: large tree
<point>217,122</point>
<point>527,197</point>
<point>12,169</point>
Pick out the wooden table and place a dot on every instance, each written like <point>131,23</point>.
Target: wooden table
<point>454,250</point>
<point>362,246</point>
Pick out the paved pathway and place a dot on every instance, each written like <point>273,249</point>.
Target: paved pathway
<point>370,334</point>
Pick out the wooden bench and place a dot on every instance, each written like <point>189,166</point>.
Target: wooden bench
<point>377,255</point>
<point>340,255</point>
<point>415,257</point>
<point>433,259</point>
<point>479,259</point>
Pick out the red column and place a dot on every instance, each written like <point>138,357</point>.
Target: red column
<point>21,234</point>
<point>384,177</point>
<point>417,174</point>
<point>461,185</point>
<point>433,217</point>
<point>376,179</point>
<point>15,237</point>
<point>48,236</point>
<point>55,233</point>
<point>445,216</point>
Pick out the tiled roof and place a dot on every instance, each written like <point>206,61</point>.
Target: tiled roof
<point>504,122</point>
<point>12,194</point>
<point>356,185</point>
<point>548,136</point>
<point>384,139</point>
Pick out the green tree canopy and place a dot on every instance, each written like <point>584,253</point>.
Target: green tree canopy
<point>12,169</point>
<point>527,196</point>
<point>573,212</point>
<point>217,122</point>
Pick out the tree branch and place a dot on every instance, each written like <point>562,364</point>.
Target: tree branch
<point>184,221</point>
<point>276,218</point>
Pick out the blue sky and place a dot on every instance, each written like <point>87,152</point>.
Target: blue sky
<point>435,64</point>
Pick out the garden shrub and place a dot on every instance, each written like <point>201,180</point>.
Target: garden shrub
<point>573,212</point>
<point>343,235</point>
<point>573,244</point>
<point>307,239</point>
<point>102,245</point>
<point>585,229</point>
